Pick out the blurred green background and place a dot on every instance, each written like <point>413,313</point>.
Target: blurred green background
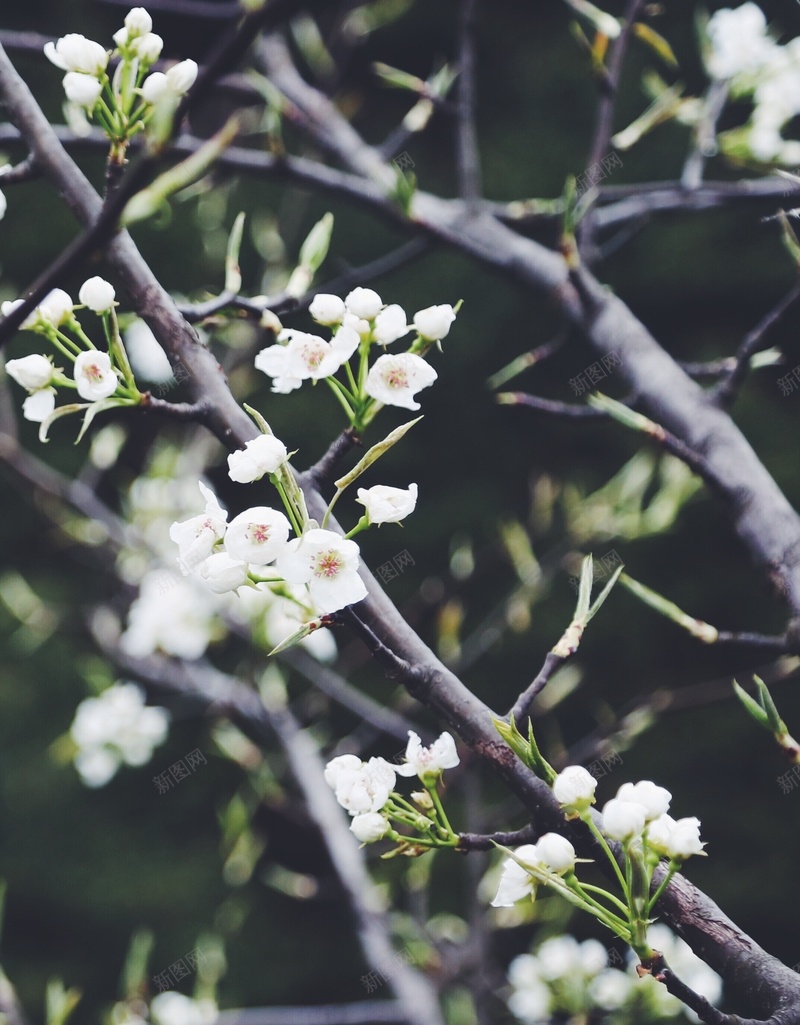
<point>86,868</point>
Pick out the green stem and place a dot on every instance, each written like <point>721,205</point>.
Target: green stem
<point>437,804</point>
<point>338,390</point>
<point>362,524</point>
<point>289,507</point>
<point>329,510</point>
<point>673,868</point>
<point>598,889</point>
<point>587,818</point>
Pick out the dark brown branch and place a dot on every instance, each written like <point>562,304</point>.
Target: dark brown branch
<point>468,164</point>
<point>26,170</point>
<point>365,1012</point>
<point>522,706</point>
<point>185,411</point>
<point>479,842</point>
<point>555,408</point>
<point>322,470</point>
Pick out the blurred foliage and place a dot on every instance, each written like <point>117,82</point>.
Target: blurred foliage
<point>85,869</point>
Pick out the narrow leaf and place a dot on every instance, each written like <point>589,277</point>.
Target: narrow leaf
<point>58,412</point>
<point>656,42</point>
<point>776,724</point>
<point>233,274</point>
<point>751,706</point>
<point>374,453</point>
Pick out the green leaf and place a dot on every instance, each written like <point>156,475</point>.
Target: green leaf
<point>134,972</point>
<point>99,407</point>
<point>233,274</point>
<point>751,706</point>
<point>603,594</point>
<point>59,1002</point>
<point>656,42</point>
<point>298,635</point>
<point>776,724</point>
<point>262,424</point>
<point>58,412</point>
<point>374,453</point>
<point>515,740</point>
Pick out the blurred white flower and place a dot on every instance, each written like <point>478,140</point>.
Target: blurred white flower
<point>739,42</point>
<point>172,615</point>
<point>197,536</point>
<point>148,359</point>
<point>388,505</point>
<point>113,728</point>
<point>94,375</point>
<point>395,380</point>
<point>81,89</point>
<point>173,1008</point>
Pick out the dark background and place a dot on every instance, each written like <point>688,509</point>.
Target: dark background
<point>86,868</point>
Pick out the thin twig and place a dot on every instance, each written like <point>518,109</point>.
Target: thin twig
<point>522,706</point>
<point>481,842</point>
<point>26,170</point>
<point>468,165</point>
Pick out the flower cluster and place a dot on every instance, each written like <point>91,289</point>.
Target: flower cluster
<point>115,728</point>
<point>637,818</point>
<point>742,53</point>
<point>98,376</point>
<point>357,323</point>
<point>569,980</point>
<point>366,791</point>
<point>123,103</point>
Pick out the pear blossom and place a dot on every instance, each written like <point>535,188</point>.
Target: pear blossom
<point>654,798</point>
<point>434,322</point>
<point>114,728</point>
<point>32,372</point>
<point>531,1000</point>
<point>337,766</point>
<point>623,820</point>
<point>147,47</point>
<point>147,357</point>
<point>3,205</point>
<point>263,454</point>
<point>97,294</point>
<point>574,789</point>
<point>175,83</point>
<point>74,52</point>
<point>390,324</point>
<point>365,788</point>
<point>358,324</point>
<point>515,881</point>
<point>388,505</point>
<point>364,303</point>
<point>428,761</point>
<point>326,562</point>
<point>556,852</point>
<point>394,380</point>
<point>94,375</point>
<point>345,342</point>
<point>370,827</point>
<point>684,839</point>
<point>257,535</point>
<point>56,307</point>
<point>327,309</point>
<point>222,573</point>
<point>154,87</point>
<point>197,536</point>
<point>303,356</point>
<point>173,1008</point>
<point>81,89</point>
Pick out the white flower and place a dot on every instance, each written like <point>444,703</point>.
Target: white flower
<point>428,761</point>
<point>148,47</point>
<point>97,294</point>
<point>531,999</point>
<point>556,852</point>
<point>359,325</point>
<point>388,505</point>
<point>684,840</point>
<point>611,989</point>
<point>32,372</point>
<point>197,536</point>
<point>654,798</point>
<point>284,617</point>
<point>222,573</point>
<point>257,535</point>
<point>394,380</point>
<point>574,789</point>
<point>3,205</point>
<point>173,1008</point>
<point>434,322</point>
<point>327,309</point>
<point>516,882</point>
<point>8,307</point>
<point>328,564</point>
<point>84,90</point>
<point>366,788</point>
<point>390,324</point>
<point>369,827</point>
<point>95,376</point>
<point>138,22</point>
<point>113,728</point>
<point>75,52</point>
<point>345,342</point>
<point>689,969</point>
<point>336,766</point>
<point>263,454</point>
<point>56,307</point>
<point>739,42</point>
<point>623,820</point>
<point>364,303</point>
<point>303,356</point>
<point>39,405</point>
<point>172,615</point>
<point>154,87</point>
<point>181,77</point>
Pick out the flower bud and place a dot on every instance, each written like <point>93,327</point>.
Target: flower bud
<point>56,307</point>
<point>684,840</point>
<point>148,48</point>
<point>364,303</point>
<point>32,372</point>
<point>654,798</point>
<point>154,87</point>
<point>387,505</point>
<point>422,799</point>
<point>82,89</point>
<point>574,789</point>
<point>369,827</point>
<point>327,309</point>
<point>434,322</point>
<point>138,22</point>
<point>181,77</point>
<point>222,573</point>
<point>390,324</point>
<point>556,852</point>
<point>263,454</point>
<point>623,820</point>
<point>97,294</point>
